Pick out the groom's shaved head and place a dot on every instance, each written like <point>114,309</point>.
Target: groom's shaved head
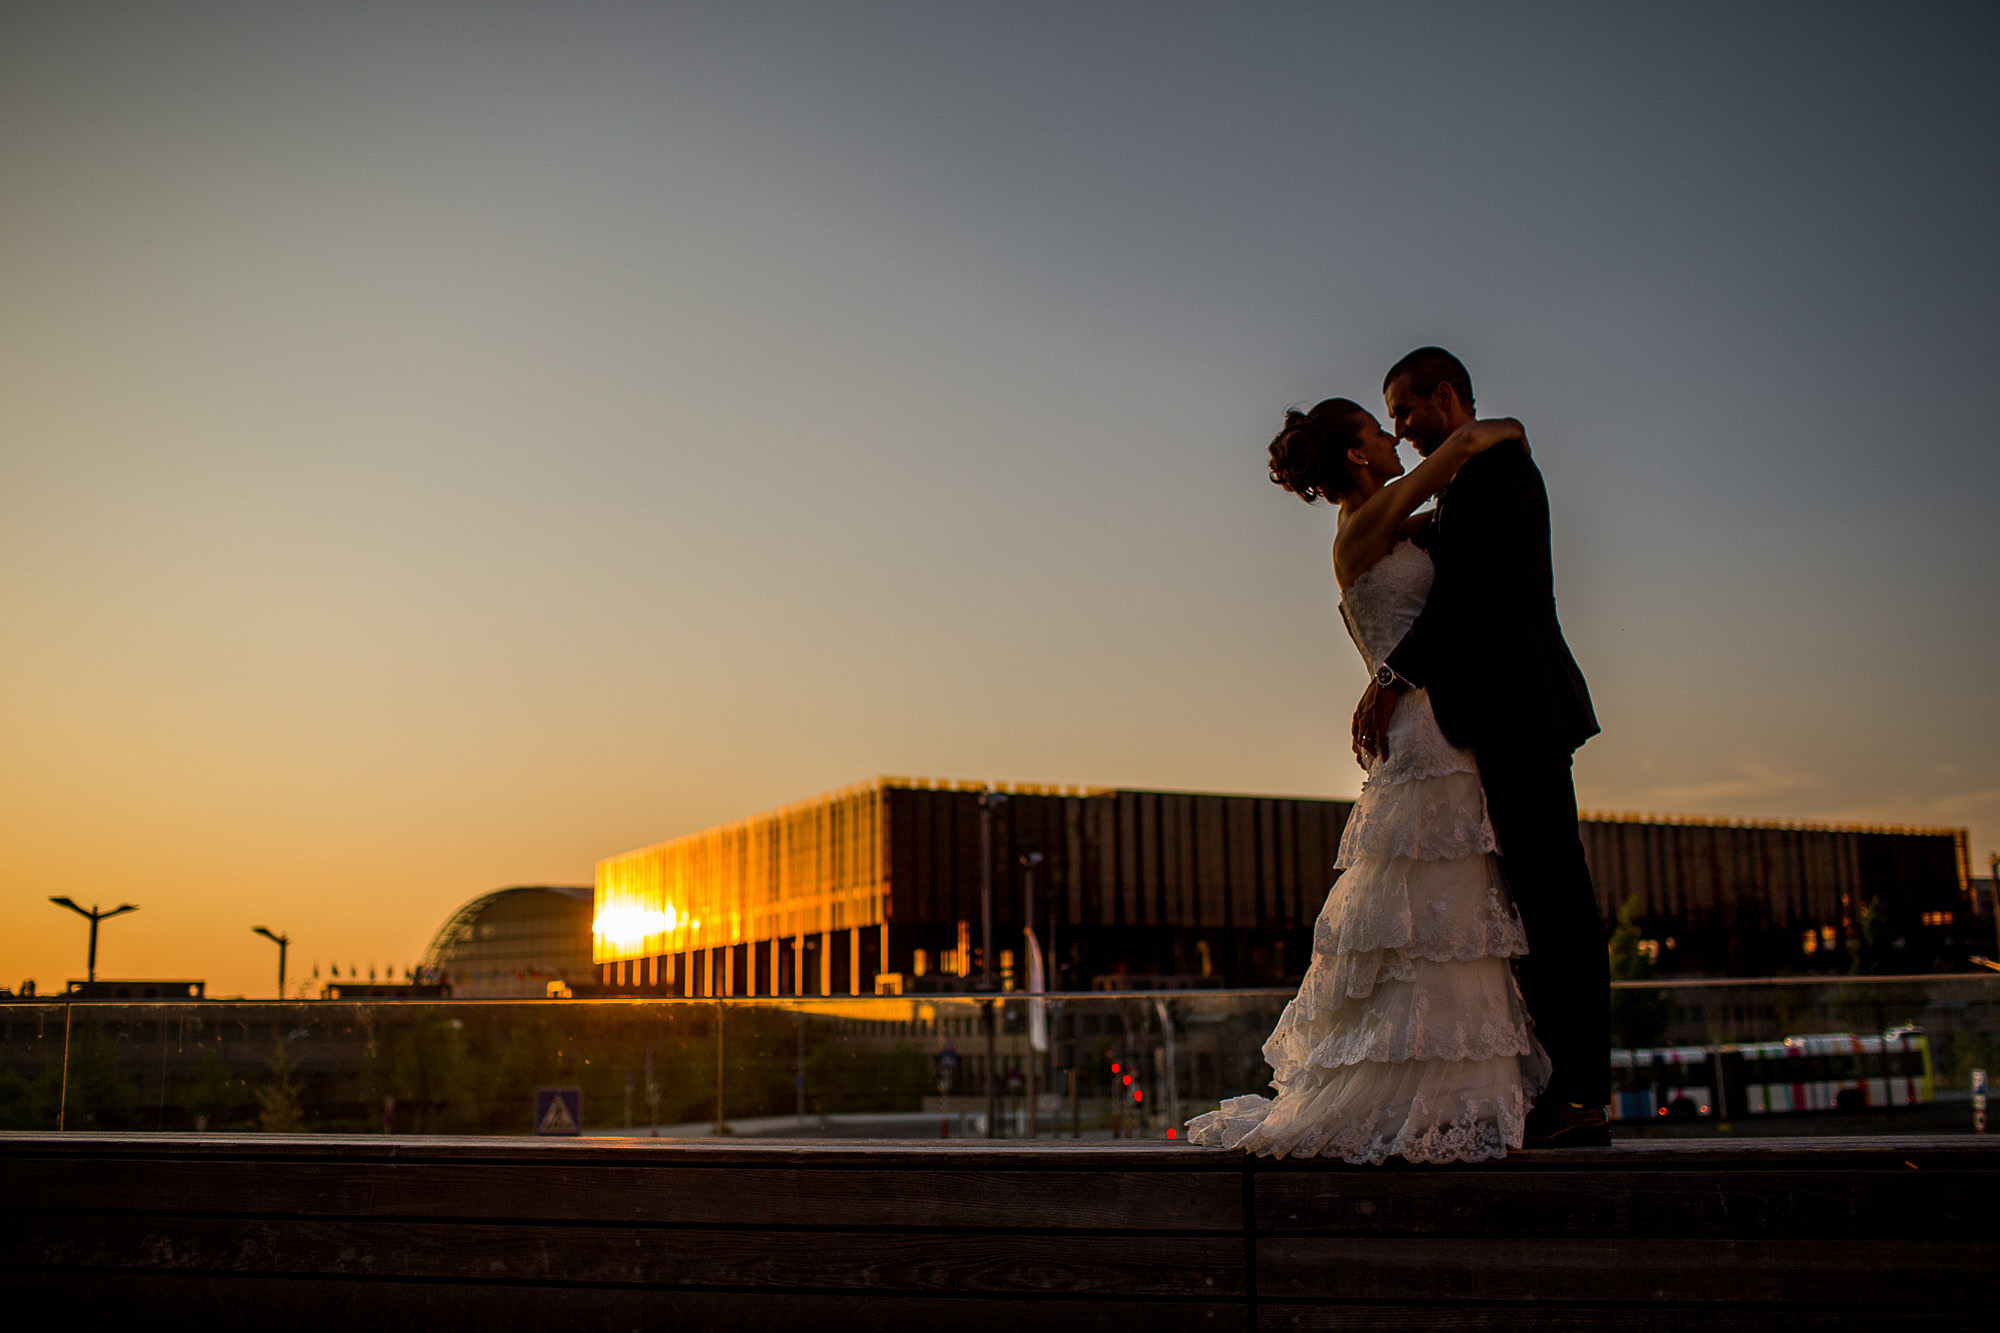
<point>1426,368</point>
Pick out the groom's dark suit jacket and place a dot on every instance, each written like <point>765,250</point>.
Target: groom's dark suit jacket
<point>1487,645</point>
<point>1504,686</point>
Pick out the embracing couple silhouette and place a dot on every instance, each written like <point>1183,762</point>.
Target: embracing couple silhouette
<point>1457,1001</point>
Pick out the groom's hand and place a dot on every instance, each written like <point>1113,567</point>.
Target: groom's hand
<point>1371,722</point>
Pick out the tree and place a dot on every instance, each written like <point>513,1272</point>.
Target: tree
<point>278,1102</point>
<point>1864,950</point>
<point>1638,1017</point>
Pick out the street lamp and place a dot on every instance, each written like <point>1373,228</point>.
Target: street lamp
<point>989,800</point>
<point>95,917</point>
<point>1030,862</point>
<point>281,941</point>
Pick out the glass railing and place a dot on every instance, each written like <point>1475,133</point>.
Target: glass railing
<point>1097,1065</point>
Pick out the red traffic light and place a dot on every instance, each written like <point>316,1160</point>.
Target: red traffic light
<point>1138,1095</point>
<point>1128,1080</point>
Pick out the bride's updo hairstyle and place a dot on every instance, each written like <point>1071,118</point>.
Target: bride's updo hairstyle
<point>1309,456</point>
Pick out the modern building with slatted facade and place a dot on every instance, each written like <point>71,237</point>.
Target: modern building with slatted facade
<point>878,887</point>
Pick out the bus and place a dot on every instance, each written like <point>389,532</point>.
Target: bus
<point>1822,1072</point>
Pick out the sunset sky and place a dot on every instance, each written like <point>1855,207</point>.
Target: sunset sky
<point>441,446</point>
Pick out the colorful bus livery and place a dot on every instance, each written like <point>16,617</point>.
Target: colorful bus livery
<point>1836,1071</point>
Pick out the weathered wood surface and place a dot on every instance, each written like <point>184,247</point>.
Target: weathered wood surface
<point>1000,1263</point>
<point>272,1231</point>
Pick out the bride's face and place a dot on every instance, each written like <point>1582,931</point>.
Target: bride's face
<point>1376,451</point>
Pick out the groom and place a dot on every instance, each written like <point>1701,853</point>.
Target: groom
<point>1503,685</point>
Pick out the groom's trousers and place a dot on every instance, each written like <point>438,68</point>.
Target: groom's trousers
<point>1566,975</point>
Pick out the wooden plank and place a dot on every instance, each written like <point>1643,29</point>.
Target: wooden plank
<point>1909,1205</point>
<point>1074,910</point>
<point>1150,873</point>
<point>1240,874</point>
<point>959,827</point>
<point>1210,862</point>
<point>1876,1272</point>
<point>1103,891</point>
<point>1315,861</point>
<point>912,872</point>
<point>1651,1317</point>
<point>1135,866</point>
<point>1184,885</point>
<point>874,1261</point>
<point>1881,1152</point>
<point>1289,898</point>
<point>207,1303</point>
<point>676,1195</point>
<point>1271,912</point>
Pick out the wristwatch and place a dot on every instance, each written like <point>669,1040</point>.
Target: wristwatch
<point>1386,678</point>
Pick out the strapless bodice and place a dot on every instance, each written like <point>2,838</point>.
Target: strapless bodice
<point>1381,605</point>
<point>1379,608</point>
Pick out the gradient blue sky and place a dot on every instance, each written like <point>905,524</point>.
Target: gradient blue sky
<point>443,445</point>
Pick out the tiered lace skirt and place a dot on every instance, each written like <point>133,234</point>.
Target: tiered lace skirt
<point>1408,1036</point>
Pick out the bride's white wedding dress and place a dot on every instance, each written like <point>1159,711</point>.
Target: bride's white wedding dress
<point>1408,1035</point>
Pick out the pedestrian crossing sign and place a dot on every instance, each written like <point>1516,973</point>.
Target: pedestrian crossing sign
<point>558,1111</point>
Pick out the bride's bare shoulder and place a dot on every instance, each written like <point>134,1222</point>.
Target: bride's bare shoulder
<point>1363,538</point>
<point>1353,556</point>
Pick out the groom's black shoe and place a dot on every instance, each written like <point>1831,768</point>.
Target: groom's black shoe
<point>1566,1125</point>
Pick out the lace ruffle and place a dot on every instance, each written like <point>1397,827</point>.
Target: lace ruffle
<point>1437,910</point>
<point>1439,818</point>
<point>1444,1011</point>
<point>1417,747</point>
<point>1366,1114</point>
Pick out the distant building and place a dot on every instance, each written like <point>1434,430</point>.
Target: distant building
<point>136,990</point>
<point>1752,897</point>
<point>384,990</point>
<point>878,887</point>
<point>532,941</point>
<point>1985,938</point>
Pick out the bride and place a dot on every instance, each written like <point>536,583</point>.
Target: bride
<point>1408,1035</point>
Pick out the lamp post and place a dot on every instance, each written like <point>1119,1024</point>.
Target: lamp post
<point>95,916</point>
<point>1029,862</point>
<point>989,800</point>
<point>281,941</point>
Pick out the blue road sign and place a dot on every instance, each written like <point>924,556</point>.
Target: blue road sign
<point>559,1111</point>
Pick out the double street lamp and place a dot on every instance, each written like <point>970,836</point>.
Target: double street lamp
<point>95,916</point>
